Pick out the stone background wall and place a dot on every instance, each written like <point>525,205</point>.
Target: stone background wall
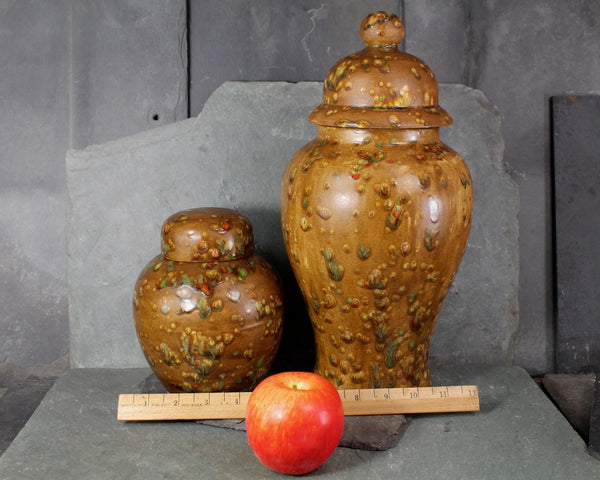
<point>79,72</point>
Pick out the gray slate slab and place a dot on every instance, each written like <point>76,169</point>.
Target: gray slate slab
<point>233,155</point>
<point>576,132</point>
<point>128,70</point>
<point>73,73</point>
<point>271,40</point>
<point>517,434</point>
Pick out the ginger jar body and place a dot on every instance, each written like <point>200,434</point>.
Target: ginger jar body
<point>208,311</point>
<point>376,213</point>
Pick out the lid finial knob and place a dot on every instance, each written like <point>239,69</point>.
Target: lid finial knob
<point>382,29</point>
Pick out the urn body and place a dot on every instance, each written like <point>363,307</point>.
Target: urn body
<point>375,222</point>
<point>208,310</point>
<point>376,212</point>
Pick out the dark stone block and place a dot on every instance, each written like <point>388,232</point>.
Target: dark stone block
<point>573,396</point>
<point>577,222</point>
<point>594,435</point>
<point>18,400</point>
<point>368,432</point>
<point>373,432</point>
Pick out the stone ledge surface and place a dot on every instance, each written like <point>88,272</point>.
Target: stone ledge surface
<point>518,433</point>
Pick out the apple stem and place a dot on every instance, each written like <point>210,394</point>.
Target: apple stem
<point>294,386</point>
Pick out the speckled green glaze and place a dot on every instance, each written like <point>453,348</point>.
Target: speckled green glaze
<point>208,326</point>
<point>375,223</point>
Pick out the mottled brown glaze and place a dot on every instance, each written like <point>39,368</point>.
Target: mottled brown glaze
<point>380,86</point>
<point>208,311</point>
<point>375,219</point>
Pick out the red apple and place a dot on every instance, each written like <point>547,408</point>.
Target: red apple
<point>294,421</point>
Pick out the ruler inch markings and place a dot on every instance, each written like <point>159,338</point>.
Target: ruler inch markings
<point>374,401</point>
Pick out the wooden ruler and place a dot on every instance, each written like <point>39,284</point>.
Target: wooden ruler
<point>373,401</point>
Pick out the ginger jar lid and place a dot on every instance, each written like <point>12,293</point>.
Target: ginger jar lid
<point>207,235</point>
<point>380,86</point>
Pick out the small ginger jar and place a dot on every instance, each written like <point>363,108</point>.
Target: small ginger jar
<point>376,213</point>
<point>208,310</point>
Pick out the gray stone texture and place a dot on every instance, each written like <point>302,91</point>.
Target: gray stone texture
<point>373,432</point>
<point>271,40</point>
<point>18,400</point>
<point>594,435</point>
<point>577,221</point>
<point>33,135</point>
<point>128,67</point>
<point>573,395</point>
<point>233,155</point>
<point>480,317</point>
<point>83,72</point>
<point>518,53</point>
<point>523,54</point>
<point>73,73</point>
<point>517,434</point>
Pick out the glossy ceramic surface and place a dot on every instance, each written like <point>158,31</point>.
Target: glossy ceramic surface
<point>376,213</point>
<point>208,311</point>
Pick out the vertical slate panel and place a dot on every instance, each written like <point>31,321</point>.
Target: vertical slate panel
<point>439,33</point>
<point>199,162</point>
<point>34,137</point>
<point>128,67</point>
<point>577,225</point>
<point>73,72</point>
<point>522,53</point>
<point>271,40</point>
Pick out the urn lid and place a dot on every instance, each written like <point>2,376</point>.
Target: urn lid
<point>207,235</point>
<point>380,86</point>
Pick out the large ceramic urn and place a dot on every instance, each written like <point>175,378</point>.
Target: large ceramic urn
<point>376,212</point>
<point>208,310</point>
